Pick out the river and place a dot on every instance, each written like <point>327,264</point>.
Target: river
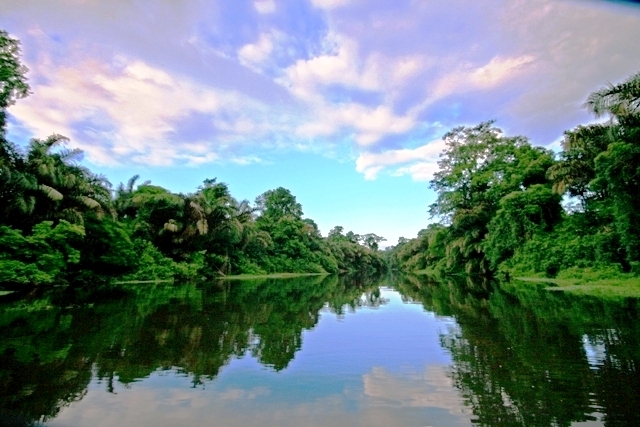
<point>319,351</point>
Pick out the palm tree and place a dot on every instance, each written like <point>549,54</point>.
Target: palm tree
<point>66,190</point>
<point>123,202</point>
<point>617,166</point>
<point>576,168</point>
<point>621,100</point>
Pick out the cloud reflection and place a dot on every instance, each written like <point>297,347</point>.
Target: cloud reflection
<point>164,399</point>
<point>431,388</point>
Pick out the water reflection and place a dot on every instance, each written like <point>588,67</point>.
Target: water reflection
<point>52,347</point>
<point>320,351</point>
<point>530,357</point>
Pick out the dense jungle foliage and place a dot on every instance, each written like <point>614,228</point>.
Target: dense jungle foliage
<point>509,208</point>
<point>504,207</point>
<point>62,223</point>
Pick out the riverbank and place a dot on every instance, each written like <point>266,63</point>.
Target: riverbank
<point>607,283</point>
<point>269,276</point>
<point>605,288</point>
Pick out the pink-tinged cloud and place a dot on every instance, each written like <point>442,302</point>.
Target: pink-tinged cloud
<point>157,81</point>
<point>419,162</point>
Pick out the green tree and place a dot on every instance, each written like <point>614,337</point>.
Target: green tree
<point>600,164</point>
<point>622,101</point>
<point>41,258</point>
<point>522,215</point>
<point>123,202</point>
<point>275,204</point>
<point>66,190</point>
<point>336,232</point>
<point>618,167</point>
<point>297,245</point>
<point>371,240</point>
<point>353,237</point>
<point>576,168</point>
<point>223,227</point>
<point>13,85</point>
<point>16,198</point>
<point>479,167</point>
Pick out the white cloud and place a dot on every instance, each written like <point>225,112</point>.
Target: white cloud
<point>248,160</point>
<point>308,79</point>
<point>265,6</point>
<point>376,74</point>
<point>330,4</point>
<point>343,64</point>
<point>423,161</point>
<point>369,124</point>
<point>484,77</point>
<point>407,67</point>
<point>338,67</point>
<point>254,54</point>
<point>373,124</point>
<point>421,171</point>
<point>133,112</point>
<point>577,52</point>
<point>201,158</point>
<point>498,70</point>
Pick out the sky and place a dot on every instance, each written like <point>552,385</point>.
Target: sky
<point>343,102</point>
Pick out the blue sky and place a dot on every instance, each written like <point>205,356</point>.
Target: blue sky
<point>343,102</point>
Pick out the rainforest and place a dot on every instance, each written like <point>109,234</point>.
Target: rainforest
<point>136,305</point>
<point>510,209</point>
<point>504,208</point>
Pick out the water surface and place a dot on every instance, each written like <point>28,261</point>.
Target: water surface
<point>320,352</point>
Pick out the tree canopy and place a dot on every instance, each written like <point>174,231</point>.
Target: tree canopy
<point>61,222</point>
<point>500,199</point>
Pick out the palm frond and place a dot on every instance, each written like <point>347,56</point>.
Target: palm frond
<point>202,226</point>
<point>26,204</point>
<point>70,155</point>
<point>72,215</point>
<point>132,182</point>
<point>619,100</point>
<point>89,202</point>
<point>171,226</point>
<point>55,140</point>
<point>51,192</point>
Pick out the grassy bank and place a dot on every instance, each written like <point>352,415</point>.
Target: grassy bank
<point>594,284</point>
<point>604,282</point>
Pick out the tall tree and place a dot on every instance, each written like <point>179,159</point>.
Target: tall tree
<point>618,166</point>
<point>621,101</point>
<point>275,204</point>
<point>576,168</point>
<point>66,190</point>
<point>371,240</point>
<point>16,196</point>
<point>479,167</point>
<point>13,83</point>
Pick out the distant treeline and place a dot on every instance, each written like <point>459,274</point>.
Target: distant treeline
<point>507,207</point>
<point>62,223</point>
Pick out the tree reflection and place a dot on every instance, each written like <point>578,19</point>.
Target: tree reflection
<point>520,357</point>
<point>52,347</point>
